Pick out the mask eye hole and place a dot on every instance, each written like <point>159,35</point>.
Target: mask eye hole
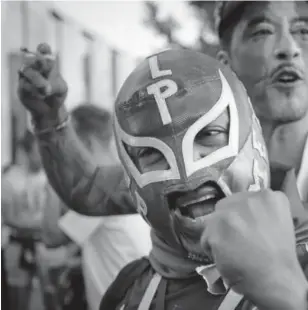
<point>147,159</point>
<point>212,137</point>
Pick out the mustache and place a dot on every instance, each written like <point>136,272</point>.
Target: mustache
<point>286,68</point>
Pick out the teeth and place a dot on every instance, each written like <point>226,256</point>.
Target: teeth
<point>198,200</point>
<point>288,77</point>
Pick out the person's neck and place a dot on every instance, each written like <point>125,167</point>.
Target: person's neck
<point>285,141</point>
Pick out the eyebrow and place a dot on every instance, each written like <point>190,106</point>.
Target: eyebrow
<point>300,19</point>
<point>257,20</point>
<point>261,19</point>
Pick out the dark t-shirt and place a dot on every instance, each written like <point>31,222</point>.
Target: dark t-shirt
<point>129,287</point>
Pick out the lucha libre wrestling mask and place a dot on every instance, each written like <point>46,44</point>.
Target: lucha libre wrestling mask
<point>187,136</point>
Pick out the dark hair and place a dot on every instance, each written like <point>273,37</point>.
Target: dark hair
<point>91,120</point>
<point>27,141</point>
<point>228,14</point>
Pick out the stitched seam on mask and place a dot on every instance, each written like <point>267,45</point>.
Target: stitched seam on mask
<point>200,83</point>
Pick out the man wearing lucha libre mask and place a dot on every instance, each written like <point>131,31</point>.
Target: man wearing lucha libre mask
<point>190,145</point>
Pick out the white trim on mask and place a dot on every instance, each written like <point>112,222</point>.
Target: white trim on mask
<point>141,205</point>
<point>226,100</point>
<point>151,176</point>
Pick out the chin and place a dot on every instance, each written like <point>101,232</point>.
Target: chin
<point>189,232</point>
<point>194,250</point>
<point>190,211</point>
<point>283,107</point>
<point>291,110</point>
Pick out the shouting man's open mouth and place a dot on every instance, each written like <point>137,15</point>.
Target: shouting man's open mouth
<point>287,76</point>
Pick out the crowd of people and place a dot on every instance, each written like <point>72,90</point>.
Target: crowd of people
<point>39,247</point>
<point>193,195</point>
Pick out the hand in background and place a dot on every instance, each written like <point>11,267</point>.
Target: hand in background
<point>41,88</point>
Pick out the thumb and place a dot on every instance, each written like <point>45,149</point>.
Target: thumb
<point>45,59</point>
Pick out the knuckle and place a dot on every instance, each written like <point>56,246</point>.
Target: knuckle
<point>60,86</point>
<point>221,204</point>
<point>211,242</point>
<point>23,87</point>
<point>229,219</point>
<point>269,196</point>
<point>26,72</point>
<point>268,193</point>
<point>30,60</point>
<point>34,77</point>
<point>280,195</point>
<point>279,198</point>
<point>277,201</point>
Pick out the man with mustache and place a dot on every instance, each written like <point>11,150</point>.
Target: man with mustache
<point>266,45</point>
<point>190,144</point>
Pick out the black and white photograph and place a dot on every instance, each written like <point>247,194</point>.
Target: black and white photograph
<point>154,155</point>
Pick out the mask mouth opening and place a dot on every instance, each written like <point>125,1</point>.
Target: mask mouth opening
<point>196,203</point>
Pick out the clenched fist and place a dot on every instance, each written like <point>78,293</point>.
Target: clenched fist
<point>41,89</point>
<point>251,239</point>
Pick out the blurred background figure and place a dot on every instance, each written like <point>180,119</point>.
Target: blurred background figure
<point>42,265</point>
<point>59,260</point>
<point>5,234</point>
<point>22,204</point>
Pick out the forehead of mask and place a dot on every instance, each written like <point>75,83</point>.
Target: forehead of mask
<point>198,89</point>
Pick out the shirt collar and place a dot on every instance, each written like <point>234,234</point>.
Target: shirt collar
<point>302,177</point>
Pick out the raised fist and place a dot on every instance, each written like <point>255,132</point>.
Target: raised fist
<point>41,89</point>
<point>251,239</point>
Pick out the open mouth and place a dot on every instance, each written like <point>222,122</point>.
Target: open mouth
<point>287,76</point>
<point>196,203</point>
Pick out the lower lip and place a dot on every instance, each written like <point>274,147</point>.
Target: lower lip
<point>287,84</point>
<point>188,219</point>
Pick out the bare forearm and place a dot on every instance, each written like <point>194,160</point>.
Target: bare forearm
<point>76,178</point>
<point>66,162</point>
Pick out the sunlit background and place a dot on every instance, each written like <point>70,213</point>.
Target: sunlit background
<point>98,43</point>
